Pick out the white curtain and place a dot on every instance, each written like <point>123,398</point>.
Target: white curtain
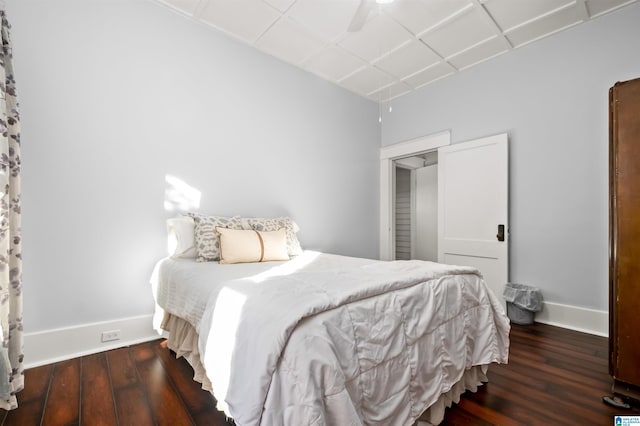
<point>11,356</point>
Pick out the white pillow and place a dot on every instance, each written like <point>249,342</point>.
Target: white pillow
<point>181,241</point>
<point>242,246</point>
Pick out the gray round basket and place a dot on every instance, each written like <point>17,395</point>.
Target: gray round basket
<point>523,302</point>
<point>519,315</point>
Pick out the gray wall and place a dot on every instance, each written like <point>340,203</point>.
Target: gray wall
<point>551,97</point>
<point>117,94</point>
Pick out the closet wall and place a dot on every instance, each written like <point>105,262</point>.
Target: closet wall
<point>426,209</point>
<point>403,213</point>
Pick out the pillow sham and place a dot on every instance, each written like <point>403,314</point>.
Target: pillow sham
<point>206,237</point>
<point>181,237</point>
<point>273,224</point>
<point>244,246</point>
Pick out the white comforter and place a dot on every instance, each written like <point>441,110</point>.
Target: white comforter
<point>368,343</point>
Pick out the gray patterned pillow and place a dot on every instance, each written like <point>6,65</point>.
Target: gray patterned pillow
<point>206,237</point>
<point>273,224</point>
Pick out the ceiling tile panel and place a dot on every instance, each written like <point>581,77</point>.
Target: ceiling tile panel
<point>393,91</point>
<point>464,31</point>
<point>408,59</point>
<point>367,80</point>
<point>281,5</point>
<point>420,15</point>
<point>333,63</point>
<point>328,19</point>
<point>429,75</point>
<point>245,19</point>
<point>379,36</point>
<point>187,7</point>
<point>289,42</point>
<point>600,7</point>
<point>509,13</point>
<point>545,26</point>
<point>482,52</point>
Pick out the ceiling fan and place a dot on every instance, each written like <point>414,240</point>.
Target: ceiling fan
<point>363,10</point>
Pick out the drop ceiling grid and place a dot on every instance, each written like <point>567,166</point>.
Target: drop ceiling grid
<point>289,42</point>
<point>422,16</point>
<point>429,75</point>
<point>367,80</point>
<point>402,46</point>
<point>408,59</point>
<point>489,49</point>
<point>328,19</point>
<point>466,30</point>
<point>281,5</point>
<point>377,38</point>
<point>393,91</point>
<point>598,8</point>
<point>333,63</point>
<point>509,14</point>
<point>232,17</point>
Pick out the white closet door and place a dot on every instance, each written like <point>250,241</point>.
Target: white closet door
<point>473,206</point>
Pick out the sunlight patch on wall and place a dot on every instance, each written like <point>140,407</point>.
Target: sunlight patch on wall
<point>179,196</point>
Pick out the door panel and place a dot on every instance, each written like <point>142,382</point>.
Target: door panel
<point>473,199</point>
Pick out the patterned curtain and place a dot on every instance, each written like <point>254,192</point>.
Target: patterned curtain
<point>11,356</point>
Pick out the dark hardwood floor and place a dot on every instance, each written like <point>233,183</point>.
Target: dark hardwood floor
<point>554,377</point>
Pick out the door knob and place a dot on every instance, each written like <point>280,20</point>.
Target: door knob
<point>500,235</point>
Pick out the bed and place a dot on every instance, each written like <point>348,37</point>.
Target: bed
<point>324,339</point>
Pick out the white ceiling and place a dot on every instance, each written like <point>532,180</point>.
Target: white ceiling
<point>402,46</point>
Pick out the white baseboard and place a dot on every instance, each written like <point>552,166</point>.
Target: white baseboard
<point>49,346</point>
<point>586,320</point>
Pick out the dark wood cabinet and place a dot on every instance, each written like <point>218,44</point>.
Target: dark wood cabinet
<point>624,238</point>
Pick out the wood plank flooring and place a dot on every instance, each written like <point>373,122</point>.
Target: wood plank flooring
<point>554,377</point>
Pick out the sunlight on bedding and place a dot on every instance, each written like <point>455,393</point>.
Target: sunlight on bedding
<point>226,317</point>
<point>180,196</point>
<point>158,313</point>
<point>288,268</point>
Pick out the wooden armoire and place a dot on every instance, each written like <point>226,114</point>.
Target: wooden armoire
<point>624,238</point>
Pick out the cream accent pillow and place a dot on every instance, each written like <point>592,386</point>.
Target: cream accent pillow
<point>273,224</point>
<point>243,246</point>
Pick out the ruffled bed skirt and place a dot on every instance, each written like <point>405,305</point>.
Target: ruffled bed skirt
<point>471,379</point>
<point>183,340</point>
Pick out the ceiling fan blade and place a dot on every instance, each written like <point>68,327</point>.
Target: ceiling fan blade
<point>360,17</point>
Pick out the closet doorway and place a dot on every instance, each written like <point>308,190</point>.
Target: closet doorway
<point>473,201</point>
<point>416,207</point>
<point>392,158</point>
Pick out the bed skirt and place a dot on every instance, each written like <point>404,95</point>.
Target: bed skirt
<point>183,340</point>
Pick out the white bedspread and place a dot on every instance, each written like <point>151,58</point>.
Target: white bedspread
<point>182,287</point>
<point>331,340</point>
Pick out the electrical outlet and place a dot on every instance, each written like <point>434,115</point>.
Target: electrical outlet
<point>108,336</point>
